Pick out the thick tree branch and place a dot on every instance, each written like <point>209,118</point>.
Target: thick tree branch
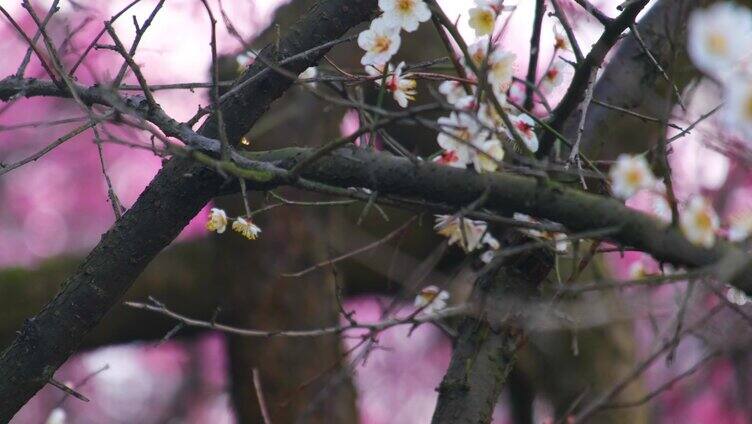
<point>581,80</point>
<point>632,82</point>
<point>484,354</point>
<point>431,185</point>
<point>175,195</point>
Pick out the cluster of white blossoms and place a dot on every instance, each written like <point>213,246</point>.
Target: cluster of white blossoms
<point>218,221</point>
<point>431,299</point>
<point>720,44</point>
<point>630,174</point>
<point>382,40</point>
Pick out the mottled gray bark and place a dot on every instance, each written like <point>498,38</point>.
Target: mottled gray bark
<point>484,353</point>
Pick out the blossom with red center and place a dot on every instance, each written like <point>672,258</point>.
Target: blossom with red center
<point>553,77</point>
<point>525,126</point>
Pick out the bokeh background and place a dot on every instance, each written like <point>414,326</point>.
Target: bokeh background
<point>53,210</point>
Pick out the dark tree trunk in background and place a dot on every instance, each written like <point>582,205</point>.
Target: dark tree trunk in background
<point>243,277</point>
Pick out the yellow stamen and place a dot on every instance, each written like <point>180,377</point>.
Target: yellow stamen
<point>382,44</point>
<point>717,44</point>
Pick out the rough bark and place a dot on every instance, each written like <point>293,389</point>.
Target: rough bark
<point>631,81</point>
<point>399,178</point>
<point>484,354</point>
<point>175,195</point>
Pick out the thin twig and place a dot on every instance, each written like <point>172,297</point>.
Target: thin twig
<point>260,395</point>
<point>355,252</point>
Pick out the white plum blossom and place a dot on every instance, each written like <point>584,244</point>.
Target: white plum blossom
<point>405,14</point>
<point>630,174</point>
<point>57,416</point>
<point>699,222</point>
<point>738,106</point>
<point>401,87</point>
<point>740,227</point>
<point>468,103</point>
<point>458,132</point>
<point>501,71</point>
<point>247,228</point>
<point>737,297</point>
<point>217,221</point>
<point>525,127</point>
<point>469,238</point>
<point>553,77</point>
<point>310,73</point>
<point>720,37</point>
<point>488,162</point>
<point>482,20</point>
<point>431,299</point>
<point>477,52</point>
<point>452,90</point>
<point>380,41</point>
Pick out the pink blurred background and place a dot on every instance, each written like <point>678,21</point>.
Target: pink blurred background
<point>59,205</point>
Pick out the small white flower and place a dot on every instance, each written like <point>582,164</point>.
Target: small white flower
<point>468,103</point>
<point>458,132</point>
<point>738,107</point>
<point>57,416</point>
<point>477,51</point>
<point>381,41</point>
<point>737,297</point>
<point>525,127</point>
<point>699,222</point>
<point>501,71</point>
<point>494,154</point>
<point>405,14</point>
<point>401,87</point>
<point>720,37</point>
<point>452,90</point>
<point>247,228</point>
<point>310,73</point>
<point>561,41</point>
<point>431,299</point>
<point>469,238</point>
<point>482,20</point>
<point>630,174</point>
<point>553,77</point>
<point>217,221</point>
<point>741,227</point>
